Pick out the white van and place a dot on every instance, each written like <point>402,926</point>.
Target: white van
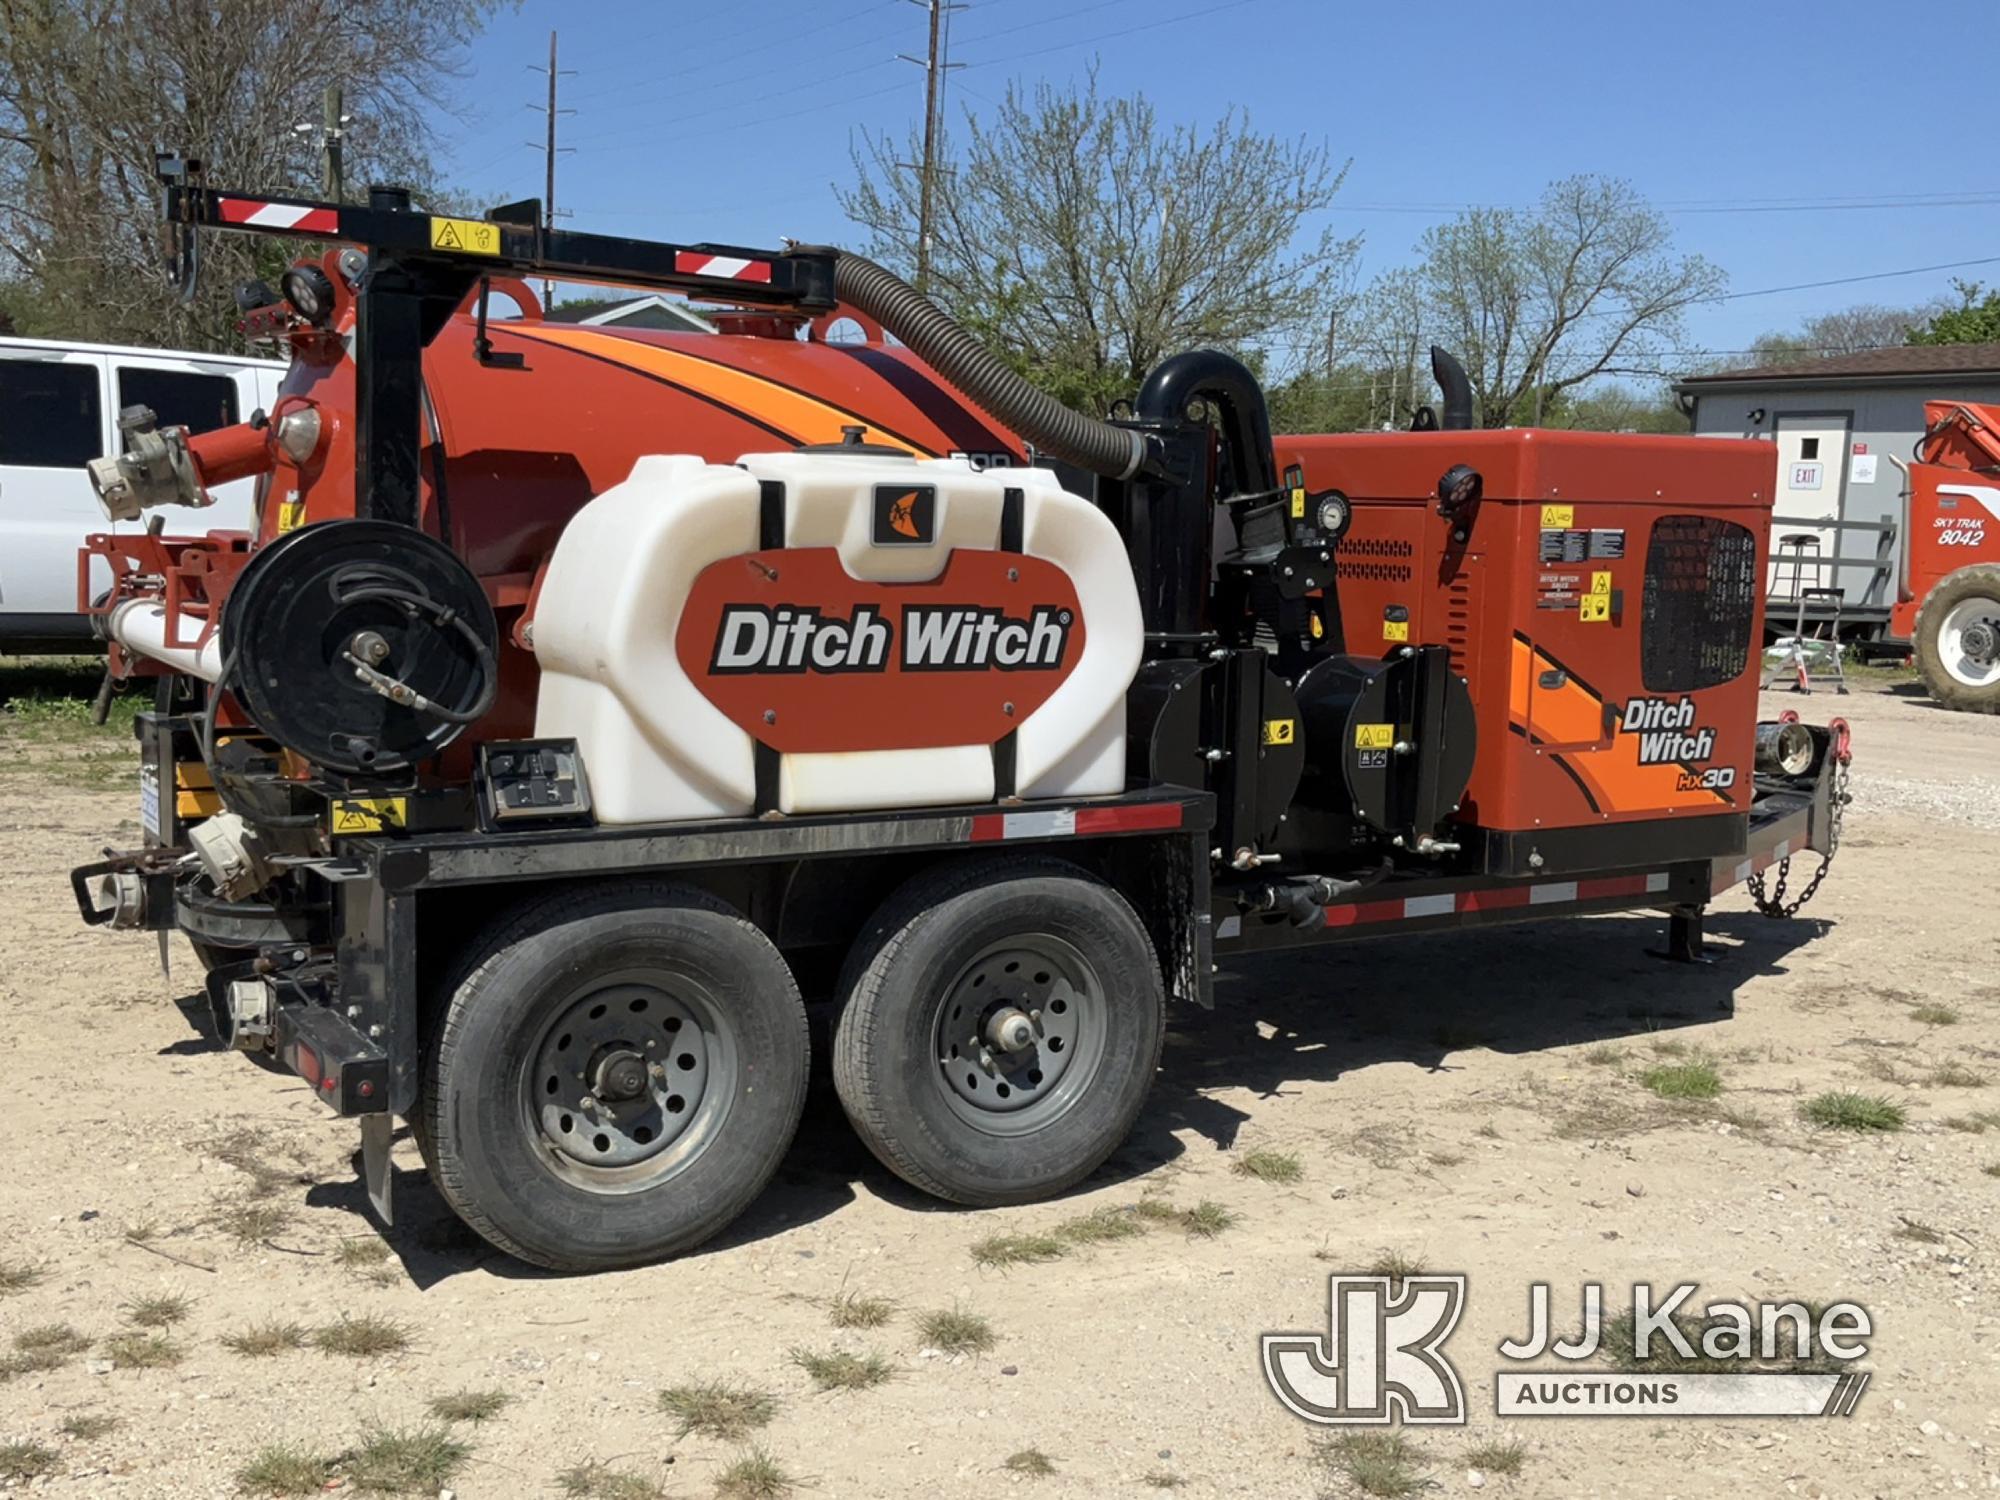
<point>59,406</point>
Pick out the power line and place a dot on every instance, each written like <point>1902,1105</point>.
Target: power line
<point>651,84</point>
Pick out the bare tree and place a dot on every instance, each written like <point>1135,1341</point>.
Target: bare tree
<point>1536,303</point>
<point>1849,330</point>
<point>1086,242</point>
<point>90,89</point>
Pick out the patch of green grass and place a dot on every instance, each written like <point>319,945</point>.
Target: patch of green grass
<point>1604,1055</point>
<point>1851,1111</point>
<point>365,1337</point>
<point>1101,1226</point>
<point>26,1461</point>
<point>15,1277</point>
<point>1977,1123</point>
<point>1692,1079</point>
<point>1375,1463</point>
<point>718,1409</point>
<point>1154,1209</point>
<point>1935,1015</point>
<point>1031,1462</point>
<point>405,1460</point>
<point>1669,1047</point>
<point>956,1331</point>
<point>1953,1075</point>
<point>1162,1479</point>
<point>1396,1265</point>
<point>1001,1250</point>
<point>251,1221</point>
<point>855,1310</point>
<point>1923,1234</point>
<point>251,1154</point>
<point>843,1371</point>
<point>89,1426</point>
<point>285,1469</point>
<point>595,1481</point>
<point>1497,1456</point>
<point>1445,1159</point>
<point>1269,1166</point>
<point>51,1338</point>
<point>161,1310</point>
<point>1207,1219</point>
<point>142,1351</point>
<point>262,1339</point>
<point>754,1476</point>
<point>469,1406</point>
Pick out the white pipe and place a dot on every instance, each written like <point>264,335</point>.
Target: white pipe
<point>140,625</point>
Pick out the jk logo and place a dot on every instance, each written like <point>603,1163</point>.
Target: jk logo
<point>1379,1359</point>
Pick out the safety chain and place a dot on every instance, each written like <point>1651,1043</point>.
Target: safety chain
<point>1775,904</point>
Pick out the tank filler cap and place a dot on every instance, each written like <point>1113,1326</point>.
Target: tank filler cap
<point>853,441</point>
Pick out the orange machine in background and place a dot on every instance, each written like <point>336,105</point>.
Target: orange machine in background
<point>1948,607</point>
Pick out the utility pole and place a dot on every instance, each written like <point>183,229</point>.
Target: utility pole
<point>935,67</point>
<point>330,122</point>
<point>550,151</point>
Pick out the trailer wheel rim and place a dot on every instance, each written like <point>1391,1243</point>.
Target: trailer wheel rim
<point>1006,1090</point>
<point>629,1082</point>
<point>1966,641</point>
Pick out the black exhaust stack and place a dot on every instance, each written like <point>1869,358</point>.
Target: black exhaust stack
<point>1451,379</point>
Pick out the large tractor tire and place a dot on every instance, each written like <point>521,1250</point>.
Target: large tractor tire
<point>1000,1027</point>
<point>1958,640</point>
<point>615,1077</point>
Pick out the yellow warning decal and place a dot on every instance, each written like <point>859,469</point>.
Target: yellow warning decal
<point>1593,607</point>
<point>1558,515</point>
<point>369,814</point>
<point>470,236</point>
<point>1395,630</point>
<point>1374,736</point>
<point>1600,583</point>
<point>1298,504</point>
<point>1280,731</point>
<point>291,513</point>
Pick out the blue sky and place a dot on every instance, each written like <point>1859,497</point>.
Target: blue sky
<point>733,124</point>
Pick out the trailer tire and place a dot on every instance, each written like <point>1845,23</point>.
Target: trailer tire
<point>688,1034</point>
<point>1048,938</point>
<point>1971,596</point>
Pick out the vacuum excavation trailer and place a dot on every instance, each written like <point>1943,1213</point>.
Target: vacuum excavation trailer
<point>584,702</point>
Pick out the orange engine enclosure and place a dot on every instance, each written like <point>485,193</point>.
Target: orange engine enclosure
<point>1549,686</point>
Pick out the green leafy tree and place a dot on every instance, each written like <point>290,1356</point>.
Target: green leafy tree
<point>90,89</point>
<point>1084,241</point>
<point>1976,319</point>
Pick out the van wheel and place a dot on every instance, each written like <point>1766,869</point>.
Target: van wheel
<point>615,1079</point>
<point>1001,1026</point>
<point>1958,640</point>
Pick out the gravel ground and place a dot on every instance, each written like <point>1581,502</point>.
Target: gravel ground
<point>1472,1102</point>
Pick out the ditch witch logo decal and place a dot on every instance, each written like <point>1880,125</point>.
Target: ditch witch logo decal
<point>1382,1358</point>
<point>905,515</point>
<point>806,658</point>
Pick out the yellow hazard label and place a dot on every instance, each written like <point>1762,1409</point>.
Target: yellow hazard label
<point>368,814</point>
<point>1593,607</point>
<point>1395,630</point>
<point>1374,736</point>
<point>291,513</point>
<point>1600,583</point>
<point>1280,731</point>
<point>1298,505</point>
<point>469,236</point>
<point>1558,515</point>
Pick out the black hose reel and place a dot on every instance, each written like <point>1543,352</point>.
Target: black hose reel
<point>364,646</point>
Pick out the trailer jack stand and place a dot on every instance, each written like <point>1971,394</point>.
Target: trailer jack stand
<point>377,1132</point>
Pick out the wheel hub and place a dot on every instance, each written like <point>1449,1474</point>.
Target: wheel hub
<point>1013,1026</point>
<point>1981,642</point>
<point>619,1076</point>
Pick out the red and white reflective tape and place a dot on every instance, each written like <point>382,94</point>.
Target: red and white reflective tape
<point>256,213</point>
<point>726,267</point>
<point>1068,822</point>
<point>1743,869</point>
<point>1495,898</point>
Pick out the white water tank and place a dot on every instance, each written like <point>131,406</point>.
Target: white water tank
<point>893,632</point>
